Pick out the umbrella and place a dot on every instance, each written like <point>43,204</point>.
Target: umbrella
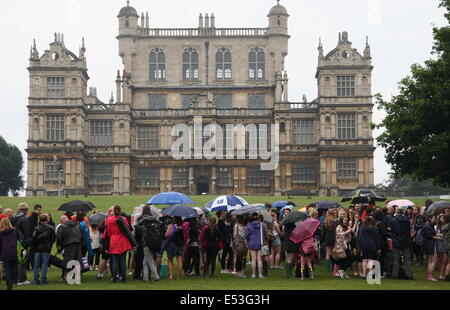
<point>170,198</point>
<point>327,204</point>
<point>97,219</point>
<point>77,205</point>
<point>267,218</point>
<point>181,211</point>
<point>201,211</point>
<point>226,203</point>
<point>304,230</point>
<point>294,217</point>
<point>401,203</point>
<point>258,205</point>
<point>155,212</point>
<point>279,204</point>
<point>439,206</point>
<point>363,196</point>
<point>246,210</point>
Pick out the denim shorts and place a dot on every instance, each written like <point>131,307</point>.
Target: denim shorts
<point>174,251</point>
<point>276,242</point>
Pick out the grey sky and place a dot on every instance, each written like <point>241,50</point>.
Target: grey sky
<point>400,34</point>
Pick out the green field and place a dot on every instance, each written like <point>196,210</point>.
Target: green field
<point>275,281</point>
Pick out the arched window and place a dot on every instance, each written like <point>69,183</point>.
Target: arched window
<point>223,64</point>
<point>190,64</point>
<point>157,61</point>
<point>256,64</point>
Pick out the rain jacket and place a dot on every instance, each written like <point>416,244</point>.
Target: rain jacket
<point>68,234</point>
<point>253,235</point>
<point>429,244</point>
<point>20,222</point>
<point>118,242</point>
<point>401,232</point>
<point>43,238</point>
<point>368,238</point>
<point>8,244</point>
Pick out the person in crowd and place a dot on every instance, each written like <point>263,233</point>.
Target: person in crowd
<point>94,260</point>
<point>202,223</point>
<point>275,253</point>
<point>418,221</point>
<point>191,236</point>
<point>268,240</point>
<point>253,232</point>
<point>446,211</point>
<point>306,258</point>
<point>268,206</point>
<point>429,245</point>
<point>119,244</point>
<point>43,238</point>
<point>148,233</point>
<point>68,242</point>
<point>388,219</point>
<point>440,246</point>
<point>355,225</point>
<point>33,219</point>
<point>226,259</point>
<point>104,247</point>
<point>20,222</point>
<point>342,246</point>
<point>428,203</point>
<point>446,236</point>
<point>50,220</point>
<point>329,238</point>
<point>86,248</point>
<point>240,245</point>
<point>176,246</point>
<point>383,236</point>
<point>290,247</point>
<point>8,250</point>
<point>369,243</point>
<point>402,244</point>
<point>211,244</point>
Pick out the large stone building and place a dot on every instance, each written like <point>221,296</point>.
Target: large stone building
<point>79,145</point>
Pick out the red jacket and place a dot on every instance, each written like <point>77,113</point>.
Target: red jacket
<point>118,242</point>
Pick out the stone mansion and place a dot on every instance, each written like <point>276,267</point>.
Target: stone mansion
<point>80,145</point>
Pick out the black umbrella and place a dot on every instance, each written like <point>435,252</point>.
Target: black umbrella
<point>77,205</point>
<point>327,204</point>
<point>439,206</point>
<point>363,196</point>
<point>97,219</point>
<point>294,217</point>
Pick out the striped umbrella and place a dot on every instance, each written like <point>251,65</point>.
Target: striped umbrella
<point>226,203</point>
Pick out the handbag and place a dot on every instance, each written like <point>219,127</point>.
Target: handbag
<point>339,254</point>
<point>265,251</point>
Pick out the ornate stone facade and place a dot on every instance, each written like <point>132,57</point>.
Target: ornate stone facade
<point>80,145</point>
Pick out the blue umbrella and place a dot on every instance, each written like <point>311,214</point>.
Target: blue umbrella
<point>226,203</point>
<point>170,198</point>
<point>279,204</point>
<point>181,211</point>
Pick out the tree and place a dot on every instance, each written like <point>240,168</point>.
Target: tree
<point>11,164</point>
<point>417,125</point>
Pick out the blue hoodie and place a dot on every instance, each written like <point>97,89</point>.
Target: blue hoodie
<point>253,235</point>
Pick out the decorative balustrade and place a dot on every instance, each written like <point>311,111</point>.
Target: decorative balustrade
<point>108,107</point>
<point>202,32</point>
<point>199,112</point>
<point>301,106</point>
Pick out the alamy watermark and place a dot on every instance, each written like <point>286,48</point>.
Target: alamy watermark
<point>230,141</point>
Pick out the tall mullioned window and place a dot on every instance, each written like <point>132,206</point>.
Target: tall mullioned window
<point>345,85</point>
<point>180,177</point>
<point>225,176</point>
<point>101,174</point>
<point>304,172</point>
<point>148,177</point>
<point>55,127</point>
<point>303,131</point>
<point>346,126</point>
<point>347,168</point>
<point>190,65</point>
<point>256,64</point>
<point>157,60</point>
<point>258,177</point>
<point>54,171</point>
<point>101,133</point>
<point>157,102</point>
<point>223,64</point>
<point>56,87</point>
<point>148,138</point>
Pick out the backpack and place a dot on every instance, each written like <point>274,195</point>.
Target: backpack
<point>153,235</point>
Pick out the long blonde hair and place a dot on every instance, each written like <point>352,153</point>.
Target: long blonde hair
<point>5,224</point>
<point>329,219</point>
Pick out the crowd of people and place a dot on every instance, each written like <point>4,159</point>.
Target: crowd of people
<point>347,240</point>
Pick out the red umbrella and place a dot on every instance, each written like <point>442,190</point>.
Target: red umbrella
<point>305,230</point>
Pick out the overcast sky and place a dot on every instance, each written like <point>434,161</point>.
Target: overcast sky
<point>400,34</point>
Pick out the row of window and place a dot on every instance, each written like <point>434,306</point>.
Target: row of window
<point>191,62</point>
<point>222,101</point>
<point>303,131</point>
<point>302,173</point>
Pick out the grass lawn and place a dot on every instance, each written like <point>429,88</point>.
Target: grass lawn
<point>276,279</point>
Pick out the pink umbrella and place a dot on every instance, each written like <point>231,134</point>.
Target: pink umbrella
<point>401,203</point>
<point>305,230</point>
